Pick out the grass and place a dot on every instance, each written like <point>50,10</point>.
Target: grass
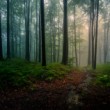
<point>17,72</point>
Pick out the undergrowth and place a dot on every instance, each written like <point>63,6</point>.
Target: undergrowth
<point>102,75</point>
<point>17,72</point>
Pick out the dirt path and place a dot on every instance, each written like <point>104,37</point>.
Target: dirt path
<point>70,93</point>
<point>42,95</point>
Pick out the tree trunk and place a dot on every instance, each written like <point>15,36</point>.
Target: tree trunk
<point>94,30</point>
<point>58,56</point>
<point>8,29</point>
<point>27,54</point>
<point>90,41</point>
<point>1,52</point>
<point>95,54</point>
<point>65,35</point>
<point>43,33</point>
<point>36,31</point>
<point>40,37</point>
<point>76,56</point>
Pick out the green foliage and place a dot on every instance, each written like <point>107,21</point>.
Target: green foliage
<point>17,73</point>
<point>105,68</point>
<point>14,72</point>
<point>103,80</point>
<point>103,75</point>
<point>51,71</point>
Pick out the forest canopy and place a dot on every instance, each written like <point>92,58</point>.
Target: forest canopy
<point>64,31</point>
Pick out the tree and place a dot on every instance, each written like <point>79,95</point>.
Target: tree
<point>8,29</point>
<point>106,27</point>
<point>75,39</point>
<point>94,30</point>
<point>1,53</point>
<point>36,31</point>
<point>65,35</point>
<point>27,54</point>
<point>90,39</point>
<point>43,33</point>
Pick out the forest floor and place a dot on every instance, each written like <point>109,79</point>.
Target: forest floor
<point>73,92</point>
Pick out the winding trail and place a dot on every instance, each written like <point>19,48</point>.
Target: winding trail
<point>60,94</point>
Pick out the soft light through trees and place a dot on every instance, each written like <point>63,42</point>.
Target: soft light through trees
<point>48,31</point>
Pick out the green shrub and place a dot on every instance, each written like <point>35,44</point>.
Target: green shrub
<point>51,71</point>
<point>102,80</point>
<point>14,73</point>
<point>102,74</point>
<point>17,73</point>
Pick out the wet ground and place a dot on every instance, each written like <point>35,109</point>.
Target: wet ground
<point>73,92</point>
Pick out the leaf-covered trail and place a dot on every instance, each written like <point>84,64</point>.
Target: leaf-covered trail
<point>60,94</point>
<point>43,94</point>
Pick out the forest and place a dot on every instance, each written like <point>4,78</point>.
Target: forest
<point>54,55</point>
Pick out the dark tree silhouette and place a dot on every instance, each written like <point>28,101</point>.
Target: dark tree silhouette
<point>65,35</point>
<point>1,53</point>
<point>43,33</point>
<point>27,54</point>
<point>94,30</point>
<point>40,40</point>
<point>8,29</point>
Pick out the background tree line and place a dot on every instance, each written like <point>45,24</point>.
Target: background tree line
<point>65,31</point>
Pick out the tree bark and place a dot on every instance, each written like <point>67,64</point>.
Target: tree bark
<point>95,55</point>
<point>8,29</point>
<point>27,54</point>
<point>43,33</point>
<point>76,55</point>
<point>1,51</point>
<point>65,35</point>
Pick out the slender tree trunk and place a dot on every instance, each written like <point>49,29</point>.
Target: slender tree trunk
<point>58,56</point>
<point>1,51</point>
<point>51,43</point>
<point>94,30</point>
<point>20,36</point>
<point>95,55</point>
<point>54,42</point>
<point>12,29</point>
<point>76,55</point>
<point>27,54</point>
<point>106,35</point>
<point>65,35</point>
<point>31,43</point>
<point>90,41</point>
<point>79,48</point>
<point>72,48</point>
<point>51,40</point>
<point>36,31</point>
<point>8,29</point>
<point>43,33</point>
<point>40,37</point>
